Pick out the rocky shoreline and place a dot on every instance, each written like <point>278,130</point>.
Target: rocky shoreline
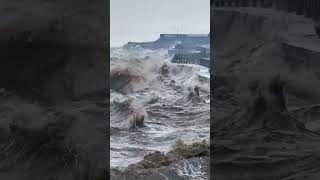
<point>179,163</point>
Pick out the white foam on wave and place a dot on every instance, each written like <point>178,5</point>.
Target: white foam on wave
<point>156,93</point>
<point>190,169</point>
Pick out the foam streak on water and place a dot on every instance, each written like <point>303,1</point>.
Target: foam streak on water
<point>191,170</point>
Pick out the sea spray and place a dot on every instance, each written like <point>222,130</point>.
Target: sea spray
<point>152,103</point>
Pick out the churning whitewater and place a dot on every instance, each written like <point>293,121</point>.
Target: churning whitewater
<point>154,102</point>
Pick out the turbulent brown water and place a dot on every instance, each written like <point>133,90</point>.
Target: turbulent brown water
<point>145,84</point>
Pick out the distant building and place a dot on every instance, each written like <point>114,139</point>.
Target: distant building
<point>184,48</point>
<point>165,41</point>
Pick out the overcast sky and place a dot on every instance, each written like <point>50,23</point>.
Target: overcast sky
<point>144,20</point>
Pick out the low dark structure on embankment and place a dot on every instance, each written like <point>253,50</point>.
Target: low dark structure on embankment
<point>199,55</point>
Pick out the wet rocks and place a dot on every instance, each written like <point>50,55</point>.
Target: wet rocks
<point>160,166</point>
<point>196,149</point>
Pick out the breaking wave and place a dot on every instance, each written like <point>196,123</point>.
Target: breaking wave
<point>154,102</point>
